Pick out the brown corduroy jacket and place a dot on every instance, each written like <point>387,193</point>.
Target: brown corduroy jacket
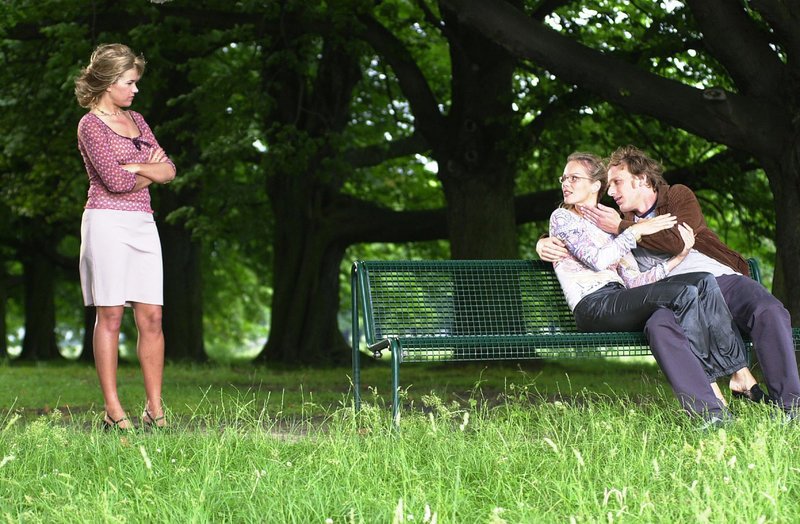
<point>681,202</point>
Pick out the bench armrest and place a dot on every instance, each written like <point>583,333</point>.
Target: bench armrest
<point>379,346</point>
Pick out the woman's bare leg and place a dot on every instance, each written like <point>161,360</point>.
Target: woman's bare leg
<point>150,349</point>
<point>106,358</point>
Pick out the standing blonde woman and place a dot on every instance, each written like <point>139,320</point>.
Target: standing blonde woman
<point>120,258</point>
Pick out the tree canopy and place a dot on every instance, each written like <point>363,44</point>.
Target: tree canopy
<point>310,133</point>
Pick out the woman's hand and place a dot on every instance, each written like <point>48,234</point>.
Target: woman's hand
<point>157,155</point>
<point>157,169</point>
<point>649,226</point>
<point>687,234</point>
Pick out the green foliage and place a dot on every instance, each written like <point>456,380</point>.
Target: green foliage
<point>236,323</point>
<point>217,86</point>
<point>736,199</point>
<point>224,130</point>
<point>425,42</point>
<point>398,184</point>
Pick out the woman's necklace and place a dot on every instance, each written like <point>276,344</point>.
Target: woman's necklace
<point>104,113</point>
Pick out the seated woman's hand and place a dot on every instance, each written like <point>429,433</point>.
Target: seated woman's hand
<point>649,226</point>
<point>687,234</point>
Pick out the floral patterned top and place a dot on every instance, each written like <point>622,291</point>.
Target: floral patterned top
<point>103,151</point>
<point>596,258</point>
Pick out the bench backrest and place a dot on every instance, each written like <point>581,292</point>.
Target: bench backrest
<point>460,297</point>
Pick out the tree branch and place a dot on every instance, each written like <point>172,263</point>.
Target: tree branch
<point>432,19</point>
<point>355,221</point>
<point>733,39</point>
<point>376,154</point>
<point>701,175</point>
<point>546,7</point>
<point>571,100</point>
<point>784,18</point>
<point>719,116</point>
<point>412,82</point>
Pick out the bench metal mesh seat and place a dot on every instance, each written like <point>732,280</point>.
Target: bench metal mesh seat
<point>468,310</point>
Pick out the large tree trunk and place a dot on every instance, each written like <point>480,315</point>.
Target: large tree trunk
<point>476,142</point>
<point>480,216</point>
<point>183,287</point>
<point>785,181</point>
<point>310,111</point>
<point>40,308</point>
<point>305,300</point>
<point>183,290</point>
<point>475,150</point>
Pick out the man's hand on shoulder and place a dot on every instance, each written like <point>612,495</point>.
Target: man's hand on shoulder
<point>604,217</point>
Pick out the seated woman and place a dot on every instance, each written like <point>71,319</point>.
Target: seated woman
<point>688,325</point>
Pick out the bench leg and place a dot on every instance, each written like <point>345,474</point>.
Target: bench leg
<point>395,383</point>
<point>356,378</point>
<point>356,339</point>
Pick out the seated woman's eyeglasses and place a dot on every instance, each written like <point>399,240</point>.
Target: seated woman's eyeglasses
<point>572,178</point>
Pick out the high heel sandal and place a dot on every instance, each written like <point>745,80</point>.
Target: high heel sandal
<point>114,425</point>
<point>151,422</point>
<point>754,394</point>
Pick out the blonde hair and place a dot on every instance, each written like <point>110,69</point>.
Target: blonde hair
<point>107,63</point>
<point>595,168</point>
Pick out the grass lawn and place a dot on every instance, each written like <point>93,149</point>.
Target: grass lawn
<point>580,441</point>
<point>34,388</point>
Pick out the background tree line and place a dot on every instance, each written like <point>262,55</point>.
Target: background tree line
<point>308,134</point>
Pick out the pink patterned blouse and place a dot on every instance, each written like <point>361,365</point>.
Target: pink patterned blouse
<point>103,151</point>
<point>596,258</point>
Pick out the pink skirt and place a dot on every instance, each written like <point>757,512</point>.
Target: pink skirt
<point>120,259</point>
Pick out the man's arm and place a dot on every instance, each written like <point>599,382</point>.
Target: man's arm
<point>551,249</point>
<point>683,204</point>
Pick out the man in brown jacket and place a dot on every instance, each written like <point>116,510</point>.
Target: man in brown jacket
<point>637,186</point>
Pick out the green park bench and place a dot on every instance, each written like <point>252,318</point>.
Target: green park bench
<point>467,310</point>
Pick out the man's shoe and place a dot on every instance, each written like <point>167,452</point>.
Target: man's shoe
<point>716,421</point>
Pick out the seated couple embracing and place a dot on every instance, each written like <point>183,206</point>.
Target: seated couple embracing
<point>658,268</point>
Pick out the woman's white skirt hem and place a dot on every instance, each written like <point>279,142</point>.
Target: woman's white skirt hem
<point>120,260</point>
